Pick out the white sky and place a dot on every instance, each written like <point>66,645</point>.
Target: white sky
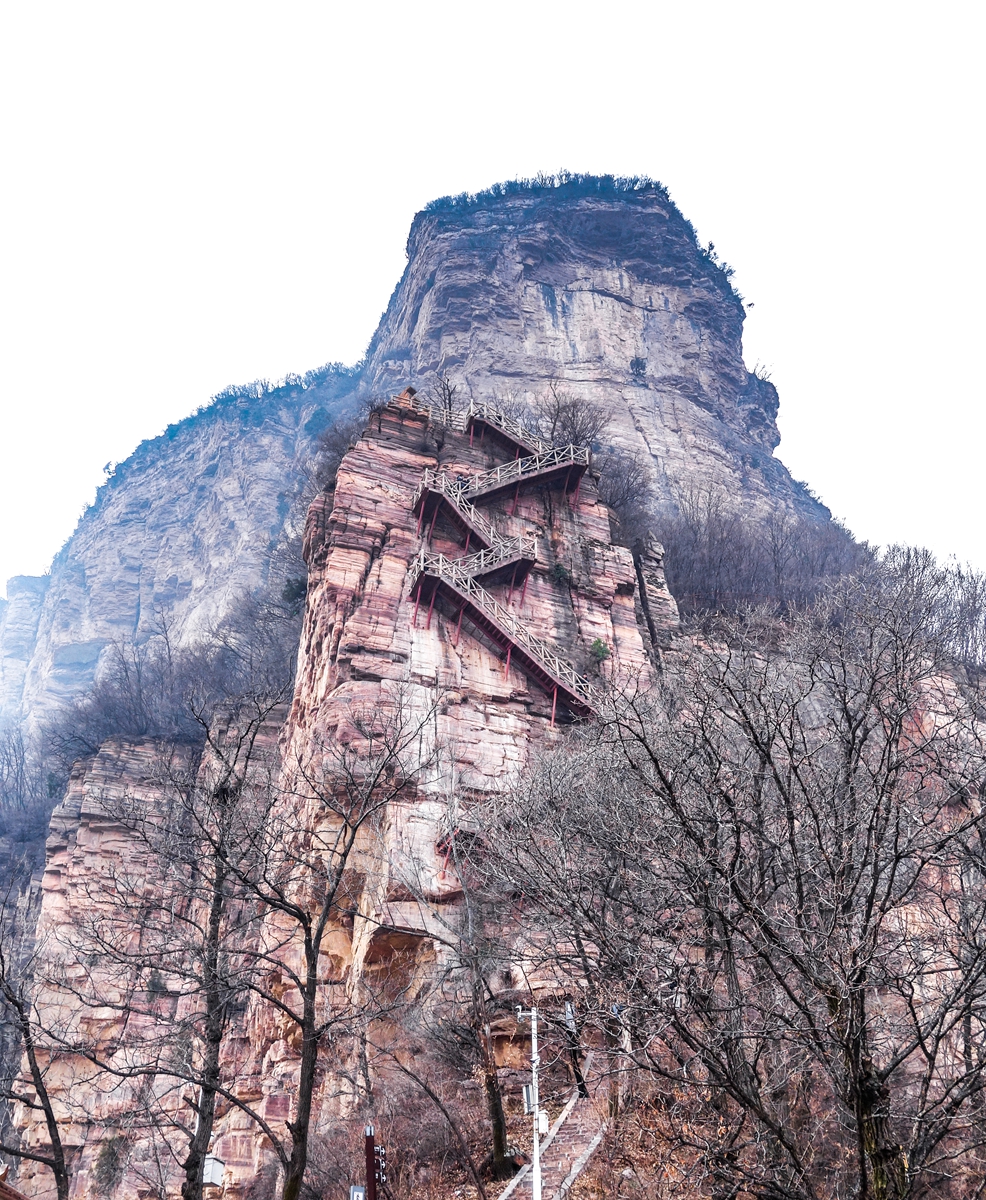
<point>197,194</point>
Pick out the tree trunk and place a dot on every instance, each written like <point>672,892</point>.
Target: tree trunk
<point>300,1126</point>
<point>191,1188</point>
<point>57,1163</point>
<point>500,1165</point>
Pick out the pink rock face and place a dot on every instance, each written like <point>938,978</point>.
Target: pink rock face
<point>374,651</point>
<point>364,642</point>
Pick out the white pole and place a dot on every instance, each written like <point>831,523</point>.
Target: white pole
<point>536,1156</point>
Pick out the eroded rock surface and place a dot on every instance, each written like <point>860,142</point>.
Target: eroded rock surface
<point>609,295</point>
<point>605,293</point>
<point>372,654</point>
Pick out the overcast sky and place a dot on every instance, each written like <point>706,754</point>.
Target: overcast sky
<point>198,194</point>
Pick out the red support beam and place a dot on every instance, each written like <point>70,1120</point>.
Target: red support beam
<point>513,507</point>
<point>523,591</point>
<point>458,624</point>
<point>506,669</point>
<point>554,705</point>
<point>434,593</point>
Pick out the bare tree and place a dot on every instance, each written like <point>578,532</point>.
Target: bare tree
<point>721,558</point>
<point>625,487</point>
<point>765,884</point>
<point>333,445</point>
<point>564,418</point>
<point>458,1023</point>
<point>27,1083</point>
<point>159,950</point>
<point>331,800</point>
<point>445,397</point>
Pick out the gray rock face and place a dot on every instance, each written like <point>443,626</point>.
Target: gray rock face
<point>608,294</point>
<point>605,292</point>
<point>183,528</point>
<point>19,618</point>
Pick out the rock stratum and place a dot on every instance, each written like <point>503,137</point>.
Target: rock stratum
<point>599,288</point>
<point>462,577</point>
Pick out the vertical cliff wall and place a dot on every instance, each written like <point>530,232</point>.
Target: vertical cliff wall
<point>178,533</point>
<point>598,287</point>
<point>488,652</point>
<point>382,646</point>
<point>606,291</point>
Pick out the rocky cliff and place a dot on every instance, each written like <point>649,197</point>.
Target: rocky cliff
<point>593,285</point>
<point>461,574</point>
<point>178,532</point>
<point>605,290</point>
<point>486,654</point>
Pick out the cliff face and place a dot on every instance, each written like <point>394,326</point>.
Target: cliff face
<point>602,291</point>
<point>608,294</point>
<point>182,528</point>
<point>19,619</point>
<point>485,668</point>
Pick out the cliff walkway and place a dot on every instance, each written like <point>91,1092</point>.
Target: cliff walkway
<point>459,493</point>
<point>499,558</point>
<point>486,418</point>
<point>434,575</point>
<point>567,1147</point>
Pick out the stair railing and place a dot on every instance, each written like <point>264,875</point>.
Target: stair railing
<point>483,561</point>
<point>518,468</point>
<point>456,491</point>
<point>553,664</point>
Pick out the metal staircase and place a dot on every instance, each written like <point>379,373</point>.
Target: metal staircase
<point>561,462</point>
<point>434,574</point>
<point>499,557</point>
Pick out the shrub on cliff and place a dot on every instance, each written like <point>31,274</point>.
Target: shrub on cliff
<point>721,558</point>
<point>160,689</point>
<point>334,443</point>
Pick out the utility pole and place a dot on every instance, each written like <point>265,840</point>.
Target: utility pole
<point>534,1102</point>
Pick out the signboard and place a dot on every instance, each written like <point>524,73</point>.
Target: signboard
<point>357,1191</point>
<point>212,1171</point>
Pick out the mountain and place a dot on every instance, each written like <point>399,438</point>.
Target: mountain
<point>466,601</point>
<point>592,285</point>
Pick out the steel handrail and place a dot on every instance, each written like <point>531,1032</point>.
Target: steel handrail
<point>485,411</point>
<point>459,491</point>
<point>557,456</point>
<point>513,429</point>
<point>455,492</point>
<point>483,561</point>
<point>553,664</point>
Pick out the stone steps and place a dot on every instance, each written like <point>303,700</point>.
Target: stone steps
<point>565,1151</point>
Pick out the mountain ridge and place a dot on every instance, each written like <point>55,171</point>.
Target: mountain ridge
<point>594,284</point>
